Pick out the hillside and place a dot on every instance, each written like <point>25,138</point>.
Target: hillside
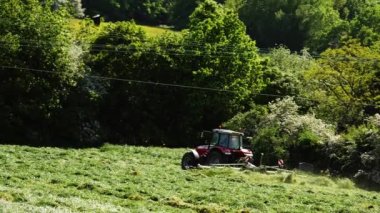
<point>122,178</point>
<point>79,25</point>
<point>155,31</point>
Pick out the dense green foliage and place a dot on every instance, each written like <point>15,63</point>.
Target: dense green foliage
<point>174,58</point>
<point>348,78</point>
<point>147,11</point>
<point>285,75</point>
<point>281,132</point>
<point>225,58</point>
<point>314,24</point>
<point>30,99</point>
<point>81,85</point>
<point>74,7</point>
<point>293,23</point>
<point>138,179</point>
<point>166,12</point>
<point>357,152</point>
<point>360,21</point>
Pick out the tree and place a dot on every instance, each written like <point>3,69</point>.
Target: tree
<point>141,113</point>
<point>284,74</point>
<point>360,20</point>
<point>110,9</point>
<point>182,9</point>
<point>157,11</point>
<point>346,82</point>
<point>248,122</point>
<point>293,23</point>
<point>74,7</point>
<point>34,38</point>
<point>223,57</point>
<point>366,25</point>
<point>215,54</point>
<point>147,11</point>
<point>117,53</point>
<point>234,5</point>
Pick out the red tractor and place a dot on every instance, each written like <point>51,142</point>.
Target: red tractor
<point>225,147</point>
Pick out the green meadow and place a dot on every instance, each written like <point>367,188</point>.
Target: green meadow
<point>77,26</point>
<point>139,179</point>
<point>155,31</point>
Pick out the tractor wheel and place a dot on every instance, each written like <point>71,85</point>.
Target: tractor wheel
<point>188,161</point>
<point>215,157</point>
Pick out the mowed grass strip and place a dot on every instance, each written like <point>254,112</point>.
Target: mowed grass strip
<point>138,179</point>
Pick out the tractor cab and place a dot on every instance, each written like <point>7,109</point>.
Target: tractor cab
<point>223,140</point>
<point>226,139</point>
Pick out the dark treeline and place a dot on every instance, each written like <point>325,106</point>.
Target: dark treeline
<point>166,12</point>
<point>294,23</point>
<point>58,100</point>
<point>232,65</point>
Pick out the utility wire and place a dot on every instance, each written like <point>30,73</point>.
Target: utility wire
<point>137,81</point>
<point>151,50</point>
<point>175,51</point>
<point>164,84</point>
<point>126,80</point>
<point>202,45</point>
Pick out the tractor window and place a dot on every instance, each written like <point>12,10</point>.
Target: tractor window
<point>215,138</point>
<point>223,141</point>
<point>234,142</point>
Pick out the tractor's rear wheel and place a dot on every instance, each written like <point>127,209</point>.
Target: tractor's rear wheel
<point>215,157</point>
<point>188,161</point>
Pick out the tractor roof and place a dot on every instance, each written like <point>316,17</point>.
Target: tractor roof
<point>227,131</point>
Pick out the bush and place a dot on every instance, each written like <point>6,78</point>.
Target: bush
<point>357,153</point>
<point>306,149</point>
<point>285,134</point>
<point>271,144</point>
<point>248,122</point>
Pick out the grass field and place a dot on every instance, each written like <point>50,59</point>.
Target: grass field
<point>155,31</point>
<point>76,25</point>
<point>137,179</point>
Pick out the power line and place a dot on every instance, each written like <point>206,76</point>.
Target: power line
<point>126,80</point>
<point>137,81</point>
<point>150,50</point>
<point>141,82</point>
<point>224,47</point>
<point>175,51</point>
<point>165,84</point>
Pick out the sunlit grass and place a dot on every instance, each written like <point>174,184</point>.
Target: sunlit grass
<point>127,178</point>
<point>77,26</point>
<point>155,31</point>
